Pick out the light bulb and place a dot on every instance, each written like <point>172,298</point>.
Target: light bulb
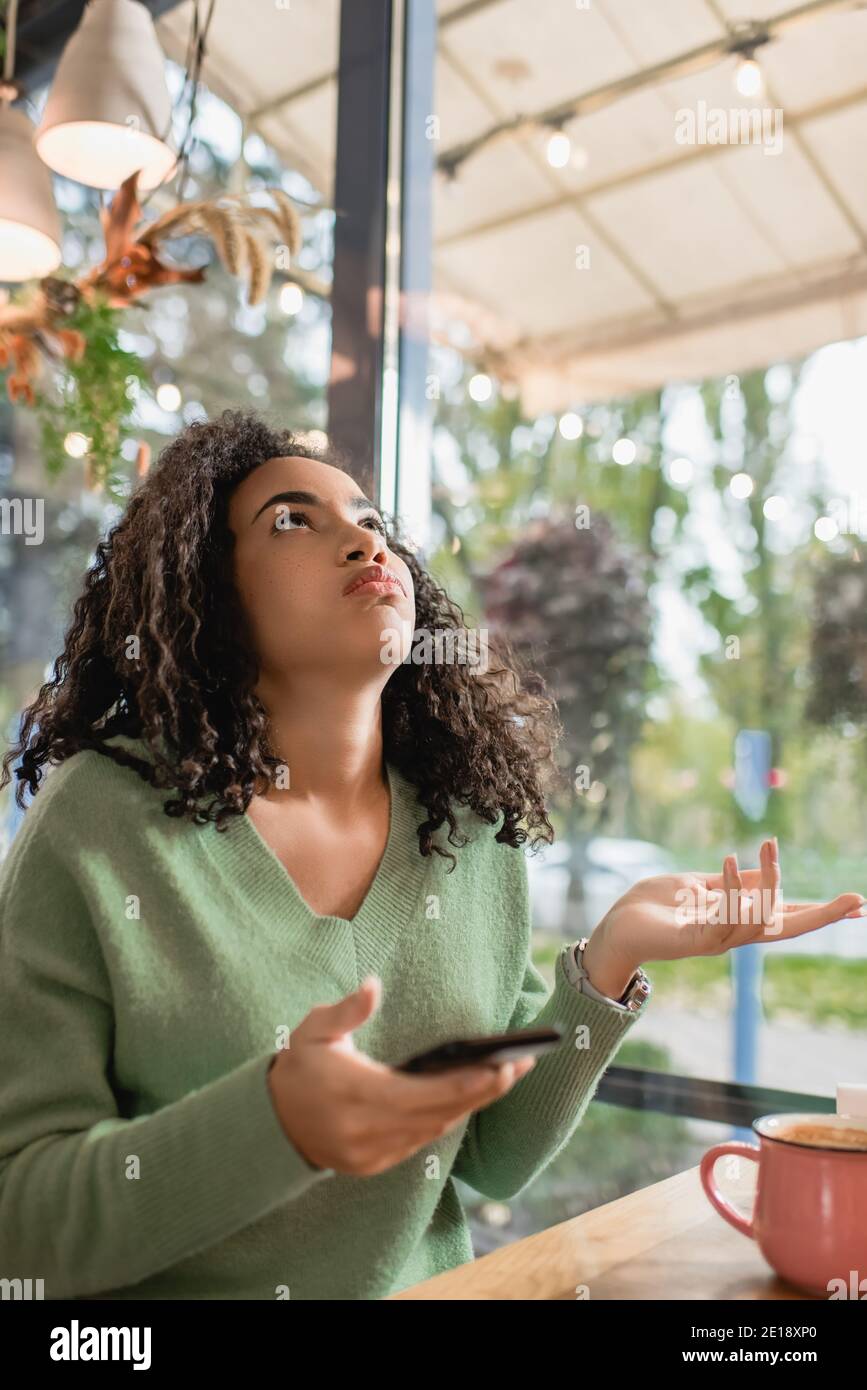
<point>748,77</point>
<point>559,150</point>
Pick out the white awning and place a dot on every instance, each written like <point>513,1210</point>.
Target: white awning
<point>704,258</point>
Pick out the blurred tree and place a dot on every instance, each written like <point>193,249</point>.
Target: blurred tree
<point>573,600</point>
<point>498,473</point>
<point>838,644</point>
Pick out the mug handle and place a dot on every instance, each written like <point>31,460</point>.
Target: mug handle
<point>723,1205</point>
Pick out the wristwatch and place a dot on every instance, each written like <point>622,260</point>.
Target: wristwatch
<point>633,997</point>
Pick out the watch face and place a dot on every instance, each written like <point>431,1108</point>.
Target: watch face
<point>641,990</point>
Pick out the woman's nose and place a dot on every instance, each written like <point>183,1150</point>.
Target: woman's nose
<point>371,546</point>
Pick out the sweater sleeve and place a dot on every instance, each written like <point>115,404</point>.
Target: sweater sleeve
<point>508,1144</point>
<point>91,1201</point>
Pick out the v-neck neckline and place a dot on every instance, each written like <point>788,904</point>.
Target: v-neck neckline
<point>317,919</point>
<point>346,948</point>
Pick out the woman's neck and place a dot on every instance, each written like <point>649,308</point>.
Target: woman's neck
<point>330,748</point>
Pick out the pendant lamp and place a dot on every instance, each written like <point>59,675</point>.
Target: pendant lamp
<point>29,222</point>
<point>109,110</point>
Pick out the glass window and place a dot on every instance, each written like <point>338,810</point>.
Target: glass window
<point>646,469</point>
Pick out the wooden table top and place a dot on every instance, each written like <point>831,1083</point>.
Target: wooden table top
<point>663,1242</point>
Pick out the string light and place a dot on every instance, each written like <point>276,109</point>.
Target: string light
<point>748,76</point>
<point>559,150</point>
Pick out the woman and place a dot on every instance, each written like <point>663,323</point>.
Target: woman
<point>204,997</point>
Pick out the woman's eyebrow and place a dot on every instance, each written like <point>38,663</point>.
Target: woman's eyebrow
<point>358,503</point>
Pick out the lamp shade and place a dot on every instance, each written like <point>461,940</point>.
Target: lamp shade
<point>29,221</point>
<point>109,107</point>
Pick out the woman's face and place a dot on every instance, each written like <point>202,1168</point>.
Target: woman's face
<point>293,559</point>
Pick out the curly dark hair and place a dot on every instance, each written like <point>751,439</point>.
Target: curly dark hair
<point>164,575</point>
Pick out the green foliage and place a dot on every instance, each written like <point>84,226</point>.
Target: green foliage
<point>754,672</point>
<point>817,989</point>
<point>94,396</point>
<point>811,990</point>
<point>680,798</point>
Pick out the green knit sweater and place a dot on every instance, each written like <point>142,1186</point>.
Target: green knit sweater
<point>150,968</point>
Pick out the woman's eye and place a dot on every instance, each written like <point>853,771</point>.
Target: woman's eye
<point>284,519</point>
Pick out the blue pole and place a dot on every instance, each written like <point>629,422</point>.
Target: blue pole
<point>747,965</point>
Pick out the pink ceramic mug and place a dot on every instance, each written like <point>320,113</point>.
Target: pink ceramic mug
<point>809,1216</point>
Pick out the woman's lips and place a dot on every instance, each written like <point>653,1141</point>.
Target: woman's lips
<point>376,586</point>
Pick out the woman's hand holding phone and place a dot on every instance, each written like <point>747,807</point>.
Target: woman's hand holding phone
<point>342,1110</point>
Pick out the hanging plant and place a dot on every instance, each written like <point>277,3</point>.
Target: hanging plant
<point>75,324</point>
<point>94,397</point>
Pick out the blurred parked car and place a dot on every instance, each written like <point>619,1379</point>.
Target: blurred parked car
<point>613,866</point>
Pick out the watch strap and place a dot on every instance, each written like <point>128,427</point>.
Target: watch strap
<point>634,996</point>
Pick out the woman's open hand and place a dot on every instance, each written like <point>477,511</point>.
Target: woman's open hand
<point>672,916</point>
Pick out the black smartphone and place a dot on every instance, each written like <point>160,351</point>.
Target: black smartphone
<point>497,1047</point>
